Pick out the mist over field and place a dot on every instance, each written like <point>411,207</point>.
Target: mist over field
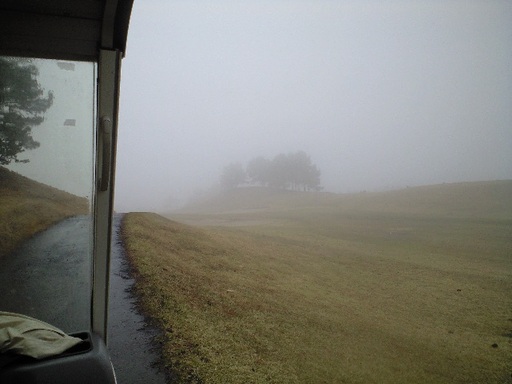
<point>381,95</point>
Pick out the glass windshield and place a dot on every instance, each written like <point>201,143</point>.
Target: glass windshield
<point>47,116</point>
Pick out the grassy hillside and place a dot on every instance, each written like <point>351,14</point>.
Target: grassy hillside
<point>410,286</point>
<point>27,207</point>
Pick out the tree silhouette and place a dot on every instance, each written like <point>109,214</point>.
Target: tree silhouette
<point>22,105</point>
<point>288,171</point>
<point>233,175</point>
<point>279,173</point>
<point>302,174</point>
<point>258,170</point>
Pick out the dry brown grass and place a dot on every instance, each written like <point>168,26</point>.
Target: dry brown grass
<point>338,292</point>
<point>28,207</point>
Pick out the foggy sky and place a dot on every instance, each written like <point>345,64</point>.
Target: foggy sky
<point>380,94</point>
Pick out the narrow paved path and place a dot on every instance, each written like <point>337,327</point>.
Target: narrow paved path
<point>48,278</point>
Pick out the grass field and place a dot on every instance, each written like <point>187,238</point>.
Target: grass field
<point>28,207</point>
<point>259,286</point>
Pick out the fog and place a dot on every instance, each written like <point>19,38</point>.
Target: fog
<point>380,94</point>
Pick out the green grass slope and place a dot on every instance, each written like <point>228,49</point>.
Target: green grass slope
<point>27,207</point>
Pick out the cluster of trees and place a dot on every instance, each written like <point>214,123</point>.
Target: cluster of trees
<point>22,106</point>
<point>293,171</point>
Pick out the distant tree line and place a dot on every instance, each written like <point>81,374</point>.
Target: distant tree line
<point>293,171</point>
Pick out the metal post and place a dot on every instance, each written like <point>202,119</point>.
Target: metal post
<point>108,92</point>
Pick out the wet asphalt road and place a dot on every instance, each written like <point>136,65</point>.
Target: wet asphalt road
<point>130,338</point>
<point>48,278</point>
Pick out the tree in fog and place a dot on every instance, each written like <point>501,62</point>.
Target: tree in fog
<point>278,176</point>
<point>288,171</point>
<point>302,174</point>
<point>22,105</point>
<point>258,170</point>
<point>232,176</point>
